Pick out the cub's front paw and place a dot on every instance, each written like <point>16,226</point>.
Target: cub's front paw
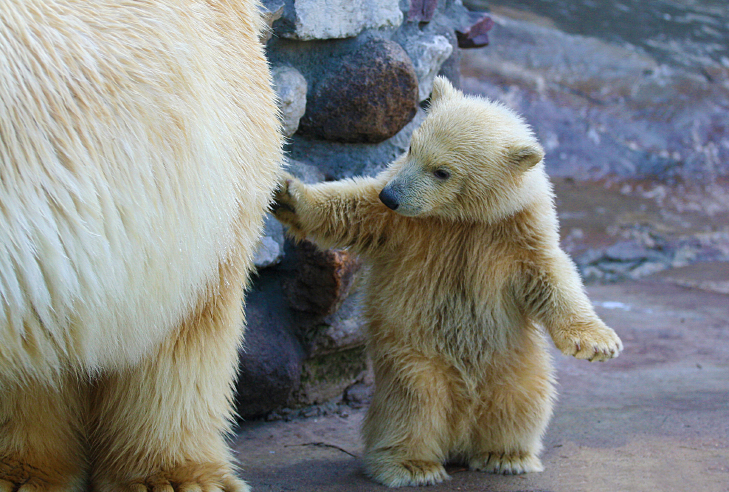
<point>591,341</point>
<point>285,200</point>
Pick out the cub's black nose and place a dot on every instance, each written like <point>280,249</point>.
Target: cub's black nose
<point>387,197</point>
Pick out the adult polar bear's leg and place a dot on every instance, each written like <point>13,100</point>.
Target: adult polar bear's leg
<point>163,421</point>
<point>42,435</point>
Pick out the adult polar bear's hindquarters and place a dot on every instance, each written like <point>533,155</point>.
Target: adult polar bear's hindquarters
<point>139,144</point>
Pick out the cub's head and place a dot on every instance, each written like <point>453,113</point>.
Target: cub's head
<point>471,159</point>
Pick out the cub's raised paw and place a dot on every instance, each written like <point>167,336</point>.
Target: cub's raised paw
<point>198,478</point>
<point>594,342</point>
<point>506,463</point>
<point>285,200</point>
<point>402,472</point>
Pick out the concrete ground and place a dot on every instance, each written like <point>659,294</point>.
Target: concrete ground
<point>656,418</point>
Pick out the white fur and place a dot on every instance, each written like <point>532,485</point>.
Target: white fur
<point>109,226</point>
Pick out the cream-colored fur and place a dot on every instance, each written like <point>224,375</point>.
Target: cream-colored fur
<point>463,276</point>
<point>139,144</point>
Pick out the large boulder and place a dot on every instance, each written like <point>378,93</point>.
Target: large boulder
<point>368,97</point>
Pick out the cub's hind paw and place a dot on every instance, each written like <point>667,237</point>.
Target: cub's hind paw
<point>183,479</point>
<point>285,201</point>
<point>507,463</point>
<point>403,472</point>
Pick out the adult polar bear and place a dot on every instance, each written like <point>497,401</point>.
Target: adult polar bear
<point>139,144</point>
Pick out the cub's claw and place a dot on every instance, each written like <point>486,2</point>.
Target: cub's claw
<point>284,204</point>
<point>593,343</point>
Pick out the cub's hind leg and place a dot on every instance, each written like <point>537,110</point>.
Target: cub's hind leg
<point>42,436</point>
<point>406,428</point>
<point>515,408</point>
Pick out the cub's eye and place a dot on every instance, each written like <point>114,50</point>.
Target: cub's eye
<point>441,174</point>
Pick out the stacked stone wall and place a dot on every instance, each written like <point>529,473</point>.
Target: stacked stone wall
<point>352,78</point>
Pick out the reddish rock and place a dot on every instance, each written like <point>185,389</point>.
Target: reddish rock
<point>422,10</point>
<point>322,281</point>
<point>476,34</point>
<point>369,97</point>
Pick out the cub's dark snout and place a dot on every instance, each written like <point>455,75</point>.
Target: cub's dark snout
<point>388,198</point>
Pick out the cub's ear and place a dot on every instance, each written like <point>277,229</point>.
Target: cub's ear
<point>442,89</point>
<point>527,157</point>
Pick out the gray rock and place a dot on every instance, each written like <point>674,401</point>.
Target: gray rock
<point>647,268</point>
<point>358,395</point>
<point>271,359</point>
<point>290,86</point>
<point>307,20</point>
<point>307,173</point>
<point>269,253</point>
<point>368,97</point>
<point>339,160</point>
<point>325,377</point>
<point>428,53</point>
<point>322,279</point>
<point>270,249</point>
<point>271,11</point>
<point>422,10</point>
<point>339,331</point>
<point>627,251</point>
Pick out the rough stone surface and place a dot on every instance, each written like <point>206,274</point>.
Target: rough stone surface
<point>358,395</point>
<point>270,250</point>
<point>475,35</point>
<point>271,359</point>
<point>338,331</point>
<point>290,86</point>
<point>428,53</point>
<point>339,160</point>
<point>324,377</point>
<point>422,10</point>
<point>710,276</point>
<point>307,173</point>
<point>634,229</point>
<point>313,19</point>
<point>369,97</point>
<point>269,253</point>
<point>322,280</point>
<point>271,11</point>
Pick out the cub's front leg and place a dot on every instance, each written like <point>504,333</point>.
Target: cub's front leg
<point>556,297</point>
<point>337,214</point>
<point>290,206</point>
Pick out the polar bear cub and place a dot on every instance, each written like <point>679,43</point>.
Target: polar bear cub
<point>466,277</point>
